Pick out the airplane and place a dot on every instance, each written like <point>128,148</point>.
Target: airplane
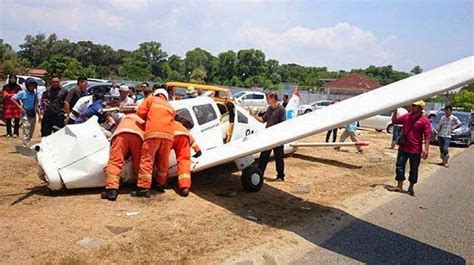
<point>75,156</point>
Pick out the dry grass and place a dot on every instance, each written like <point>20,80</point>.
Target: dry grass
<point>40,226</point>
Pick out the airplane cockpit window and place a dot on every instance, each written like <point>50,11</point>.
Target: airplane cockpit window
<point>185,114</point>
<point>204,113</point>
<point>222,108</point>
<point>241,118</point>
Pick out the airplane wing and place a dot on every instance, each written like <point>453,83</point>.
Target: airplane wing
<point>380,100</point>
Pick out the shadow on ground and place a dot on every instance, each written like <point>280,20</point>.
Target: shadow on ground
<point>359,240</point>
<point>356,239</point>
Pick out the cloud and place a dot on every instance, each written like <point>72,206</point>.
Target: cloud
<point>129,5</point>
<point>324,45</point>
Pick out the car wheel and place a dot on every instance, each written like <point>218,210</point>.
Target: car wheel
<point>252,179</point>
<point>390,128</point>
<point>307,111</point>
<point>468,142</point>
<point>378,130</point>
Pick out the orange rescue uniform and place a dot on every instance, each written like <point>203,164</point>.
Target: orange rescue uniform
<point>158,139</point>
<point>183,140</point>
<point>127,138</point>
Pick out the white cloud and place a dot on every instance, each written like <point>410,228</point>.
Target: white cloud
<point>129,5</point>
<point>321,45</point>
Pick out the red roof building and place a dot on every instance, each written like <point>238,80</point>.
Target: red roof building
<point>353,84</point>
<point>37,72</point>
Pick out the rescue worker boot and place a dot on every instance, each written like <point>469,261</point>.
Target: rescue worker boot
<point>109,194</point>
<point>141,193</point>
<point>183,192</point>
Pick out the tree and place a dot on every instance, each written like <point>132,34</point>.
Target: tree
<point>198,75</point>
<point>134,70</point>
<point>6,51</point>
<point>226,66</point>
<point>37,49</point>
<point>63,66</point>
<point>416,70</point>
<point>251,62</point>
<point>150,52</point>
<point>463,99</point>
<point>199,58</point>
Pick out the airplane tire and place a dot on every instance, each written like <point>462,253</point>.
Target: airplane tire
<point>252,179</point>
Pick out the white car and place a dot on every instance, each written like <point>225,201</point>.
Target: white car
<point>254,100</point>
<point>21,79</point>
<point>307,108</point>
<point>379,122</point>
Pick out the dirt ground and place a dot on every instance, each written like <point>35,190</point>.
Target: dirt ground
<point>323,185</point>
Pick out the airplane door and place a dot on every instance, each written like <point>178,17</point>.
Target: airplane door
<point>244,124</point>
<point>207,131</point>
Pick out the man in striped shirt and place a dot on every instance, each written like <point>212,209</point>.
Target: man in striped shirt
<point>446,125</point>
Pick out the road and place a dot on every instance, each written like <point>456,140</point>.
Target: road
<point>435,227</point>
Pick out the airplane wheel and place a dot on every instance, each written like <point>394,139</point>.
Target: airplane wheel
<point>252,179</point>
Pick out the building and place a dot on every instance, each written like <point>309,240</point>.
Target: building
<point>37,72</point>
<point>349,86</point>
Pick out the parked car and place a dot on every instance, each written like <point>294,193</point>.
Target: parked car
<point>254,100</point>
<point>378,122</point>
<point>307,108</point>
<point>463,135</point>
<point>103,88</point>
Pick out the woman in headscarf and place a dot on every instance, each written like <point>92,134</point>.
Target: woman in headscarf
<point>11,112</point>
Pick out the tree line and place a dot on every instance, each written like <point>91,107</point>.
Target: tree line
<point>244,68</point>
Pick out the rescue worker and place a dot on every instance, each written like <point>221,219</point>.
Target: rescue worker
<point>127,139</point>
<point>158,140</point>
<point>183,140</point>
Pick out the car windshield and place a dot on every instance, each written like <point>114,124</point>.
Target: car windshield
<point>463,117</point>
<point>238,94</point>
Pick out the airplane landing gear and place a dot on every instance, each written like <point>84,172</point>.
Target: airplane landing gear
<point>252,179</point>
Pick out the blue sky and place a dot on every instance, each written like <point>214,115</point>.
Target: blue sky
<point>337,34</point>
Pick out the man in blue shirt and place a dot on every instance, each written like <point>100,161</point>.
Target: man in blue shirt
<point>29,105</point>
<point>94,109</point>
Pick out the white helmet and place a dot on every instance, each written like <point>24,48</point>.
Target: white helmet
<point>161,91</point>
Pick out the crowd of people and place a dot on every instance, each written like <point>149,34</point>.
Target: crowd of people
<point>140,124</point>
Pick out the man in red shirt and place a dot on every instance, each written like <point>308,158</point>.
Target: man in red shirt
<point>416,128</point>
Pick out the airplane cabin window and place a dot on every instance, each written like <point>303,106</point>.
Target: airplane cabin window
<point>204,113</point>
<point>241,118</point>
<point>184,113</point>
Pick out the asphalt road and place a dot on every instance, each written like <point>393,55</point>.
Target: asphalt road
<point>435,227</point>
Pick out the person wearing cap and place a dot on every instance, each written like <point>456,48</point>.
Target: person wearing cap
<point>182,144</point>
<point>27,101</point>
<point>446,125</point>
<point>158,140</point>
<point>126,140</point>
<point>125,100</point>
<point>190,92</point>
<point>416,129</point>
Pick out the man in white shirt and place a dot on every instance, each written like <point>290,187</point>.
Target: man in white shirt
<point>114,90</point>
<point>397,128</point>
<point>446,125</point>
<point>126,103</point>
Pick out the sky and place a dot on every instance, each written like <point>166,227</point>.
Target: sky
<point>337,34</point>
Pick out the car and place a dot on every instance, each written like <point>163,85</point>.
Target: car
<point>379,122</point>
<point>463,135</point>
<point>307,108</point>
<point>217,93</point>
<point>21,79</point>
<point>254,101</point>
<point>103,88</point>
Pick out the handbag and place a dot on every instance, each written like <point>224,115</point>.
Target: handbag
<point>402,139</point>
